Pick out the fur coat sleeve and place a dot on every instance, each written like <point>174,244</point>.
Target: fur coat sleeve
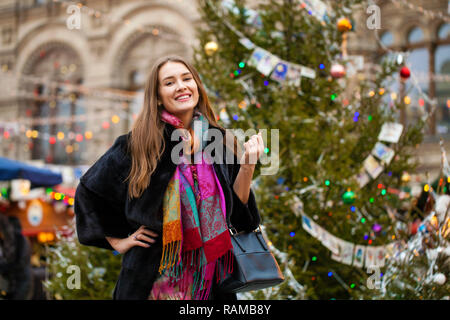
<point>244,217</point>
<point>100,198</point>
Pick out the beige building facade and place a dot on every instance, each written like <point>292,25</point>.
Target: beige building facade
<point>53,71</point>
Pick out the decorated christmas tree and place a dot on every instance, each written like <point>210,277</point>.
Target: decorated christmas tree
<point>419,269</point>
<point>78,272</point>
<point>332,207</point>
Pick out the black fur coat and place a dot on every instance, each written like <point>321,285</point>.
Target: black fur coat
<point>102,209</point>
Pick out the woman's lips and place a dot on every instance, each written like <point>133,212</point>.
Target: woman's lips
<point>184,99</point>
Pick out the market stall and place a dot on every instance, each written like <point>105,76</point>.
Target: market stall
<point>30,213</point>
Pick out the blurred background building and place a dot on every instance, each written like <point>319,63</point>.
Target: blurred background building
<point>62,86</point>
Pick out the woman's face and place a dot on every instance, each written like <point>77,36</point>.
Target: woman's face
<point>178,91</point>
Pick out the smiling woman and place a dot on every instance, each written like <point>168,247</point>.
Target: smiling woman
<point>176,215</point>
<point>178,91</point>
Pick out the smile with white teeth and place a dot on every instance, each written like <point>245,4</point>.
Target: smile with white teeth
<point>183,97</point>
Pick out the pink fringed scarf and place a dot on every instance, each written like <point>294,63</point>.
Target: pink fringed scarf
<point>195,233</point>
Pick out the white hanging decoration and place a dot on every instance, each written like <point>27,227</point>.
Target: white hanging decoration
<point>439,278</point>
<point>224,116</point>
<point>442,207</point>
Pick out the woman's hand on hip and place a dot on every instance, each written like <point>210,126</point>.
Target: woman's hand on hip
<point>142,237</point>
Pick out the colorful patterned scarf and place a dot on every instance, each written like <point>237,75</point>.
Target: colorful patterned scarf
<point>195,233</point>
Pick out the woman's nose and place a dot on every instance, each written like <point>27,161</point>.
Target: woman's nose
<point>181,86</point>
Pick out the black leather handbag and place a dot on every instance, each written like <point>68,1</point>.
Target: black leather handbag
<point>254,266</point>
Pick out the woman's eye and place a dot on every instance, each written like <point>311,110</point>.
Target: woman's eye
<point>170,82</point>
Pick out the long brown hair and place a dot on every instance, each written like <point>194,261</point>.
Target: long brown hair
<point>147,134</point>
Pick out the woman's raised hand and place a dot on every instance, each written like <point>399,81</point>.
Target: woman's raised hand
<point>142,237</point>
<point>254,148</point>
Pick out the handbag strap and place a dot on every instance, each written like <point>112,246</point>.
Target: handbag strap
<point>232,229</point>
<point>261,241</point>
<point>258,235</point>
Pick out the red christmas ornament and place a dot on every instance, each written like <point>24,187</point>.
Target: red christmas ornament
<point>414,227</point>
<point>421,102</point>
<point>337,71</point>
<point>405,73</point>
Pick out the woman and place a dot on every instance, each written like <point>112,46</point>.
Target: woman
<point>169,218</point>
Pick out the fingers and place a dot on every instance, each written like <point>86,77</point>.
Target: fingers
<point>250,152</point>
<point>257,140</point>
<point>260,139</point>
<point>149,232</point>
<point>143,229</point>
<point>141,244</point>
<point>143,237</point>
<point>251,143</point>
<point>260,144</point>
<point>254,147</point>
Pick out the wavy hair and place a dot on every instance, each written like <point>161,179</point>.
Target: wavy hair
<point>146,143</point>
